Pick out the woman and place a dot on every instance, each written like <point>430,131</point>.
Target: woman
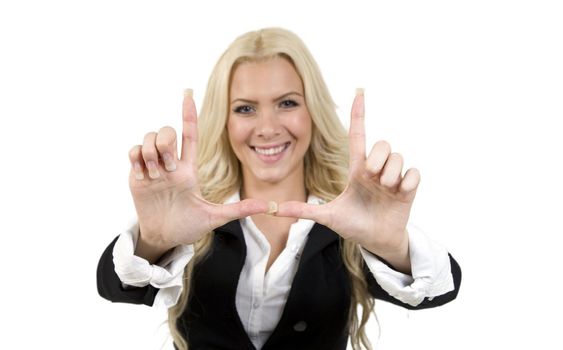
<point>282,223</point>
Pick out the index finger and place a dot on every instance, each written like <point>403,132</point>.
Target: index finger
<point>295,209</point>
<point>357,133</point>
<point>189,128</point>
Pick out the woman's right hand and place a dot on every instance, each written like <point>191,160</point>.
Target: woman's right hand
<point>165,189</point>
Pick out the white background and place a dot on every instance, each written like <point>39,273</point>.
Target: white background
<point>469,92</point>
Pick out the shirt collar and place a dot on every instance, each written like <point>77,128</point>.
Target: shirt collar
<point>318,237</point>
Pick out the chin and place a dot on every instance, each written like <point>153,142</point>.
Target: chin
<point>270,177</point>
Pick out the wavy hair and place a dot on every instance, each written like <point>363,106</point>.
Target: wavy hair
<point>326,160</point>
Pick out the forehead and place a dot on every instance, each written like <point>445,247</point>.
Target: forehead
<point>272,76</point>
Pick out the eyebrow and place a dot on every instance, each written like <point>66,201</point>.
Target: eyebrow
<point>275,100</point>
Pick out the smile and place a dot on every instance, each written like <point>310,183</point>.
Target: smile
<point>271,153</point>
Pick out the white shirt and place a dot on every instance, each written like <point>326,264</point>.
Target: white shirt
<point>261,295</point>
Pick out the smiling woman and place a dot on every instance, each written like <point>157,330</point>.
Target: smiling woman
<point>272,226</point>
<point>269,127</point>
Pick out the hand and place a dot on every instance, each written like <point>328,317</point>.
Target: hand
<point>374,208</point>
<point>166,192</point>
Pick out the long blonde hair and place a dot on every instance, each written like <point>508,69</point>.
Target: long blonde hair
<point>326,161</point>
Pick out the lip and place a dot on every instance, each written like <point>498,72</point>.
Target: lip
<point>274,145</point>
<point>271,159</point>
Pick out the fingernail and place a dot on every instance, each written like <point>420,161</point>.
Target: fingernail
<point>138,171</point>
<point>272,207</point>
<point>153,170</point>
<point>168,162</point>
<point>359,102</point>
<point>188,93</point>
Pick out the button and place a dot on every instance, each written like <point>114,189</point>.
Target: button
<point>300,326</point>
<point>256,304</point>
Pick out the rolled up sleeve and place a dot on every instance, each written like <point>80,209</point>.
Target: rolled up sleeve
<point>166,274</point>
<point>430,266</point>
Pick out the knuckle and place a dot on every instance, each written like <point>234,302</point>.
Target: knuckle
<point>166,130</point>
<point>245,208</point>
<point>373,168</point>
<point>149,153</point>
<point>135,152</point>
<point>165,138</point>
<point>414,176</point>
<point>148,149</point>
<point>383,145</point>
<point>388,181</point>
<point>413,172</point>
<point>161,145</point>
<point>397,156</point>
<point>149,137</point>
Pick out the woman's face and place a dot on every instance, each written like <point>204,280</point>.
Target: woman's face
<point>269,126</point>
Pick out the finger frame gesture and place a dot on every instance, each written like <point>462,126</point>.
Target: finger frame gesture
<point>374,208</point>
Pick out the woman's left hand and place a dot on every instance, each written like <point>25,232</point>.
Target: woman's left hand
<point>374,208</point>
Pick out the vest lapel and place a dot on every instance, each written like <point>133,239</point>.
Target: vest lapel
<point>319,237</point>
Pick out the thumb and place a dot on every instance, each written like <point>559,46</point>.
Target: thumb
<point>301,210</point>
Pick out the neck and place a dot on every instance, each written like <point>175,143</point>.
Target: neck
<point>291,188</point>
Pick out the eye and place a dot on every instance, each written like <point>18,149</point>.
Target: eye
<point>243,109</point>
<point>288,104</point>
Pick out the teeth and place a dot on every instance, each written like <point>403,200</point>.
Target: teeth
<point>270,151</point>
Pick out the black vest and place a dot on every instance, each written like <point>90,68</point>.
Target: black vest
<point>315,315</point>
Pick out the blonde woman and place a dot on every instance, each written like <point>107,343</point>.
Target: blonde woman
<point>272,225</point>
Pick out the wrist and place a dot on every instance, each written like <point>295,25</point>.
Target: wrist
<point>396,254</point>
<point>151,248</point>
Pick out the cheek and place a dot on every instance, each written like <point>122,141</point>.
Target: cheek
<point>301,126</point>
<point>237,132</point>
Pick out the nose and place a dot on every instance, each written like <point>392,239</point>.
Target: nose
<point>267,124</point>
